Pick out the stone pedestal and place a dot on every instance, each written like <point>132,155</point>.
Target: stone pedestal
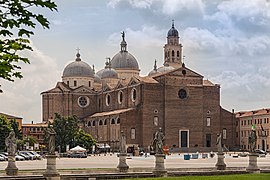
<point>51,171</point>
<point>252,163</point>
<point>220,165</point>
<point>11,169</point>
<point>160,170</point>
<point>122,166</point>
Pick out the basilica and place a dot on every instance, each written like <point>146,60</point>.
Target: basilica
<point>117,98</point>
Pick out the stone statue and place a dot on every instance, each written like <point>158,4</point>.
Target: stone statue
<point>11,143</point>
<point>123,148</point>
<point>252,139</point>
<point>219,145</point>
<point>51,133</point>
<point>158,142</point>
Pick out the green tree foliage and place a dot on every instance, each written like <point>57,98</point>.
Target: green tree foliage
<point>17,23</point>
<point>31,140</point>
<point>5,128</point>
<point>84,139</point>
<point>66,129</point>
<point>15,127</point>
<point>4,131</point>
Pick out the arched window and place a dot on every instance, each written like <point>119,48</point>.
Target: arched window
<point>172,53</point>
<point>89,124</point>
<point>108,99</point>
<point>133,94</point>
<point>120,97</point>
<point>105,122</point>
<point>100,123</point>
<point>75,83</point>
<point>178,53</point>
<point>168,53</point>
<point>112,121</point>
<point>94,123</point>
<point>118,121</point>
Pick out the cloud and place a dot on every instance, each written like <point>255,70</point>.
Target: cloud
<point>24,95</point>
<point>171,7</point>
<point>168,7</point>
<point>147,36</point>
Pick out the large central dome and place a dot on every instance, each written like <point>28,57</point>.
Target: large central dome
<point>123,59</point>
<point>78,68</point>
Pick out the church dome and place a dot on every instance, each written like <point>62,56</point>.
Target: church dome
<point>165,68</point>
<point>109,73</point>
<point>154,71</point>
<point>172,32</point>
<point>97,79</point>
<point>123,59</point>
<point>78,68</point>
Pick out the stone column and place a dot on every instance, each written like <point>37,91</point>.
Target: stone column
<point>122,166</point>
<point>51,171</point>
<point>252,163</point>
<point>11,169</point>
<point>220,165</point>
<point>160,170</point>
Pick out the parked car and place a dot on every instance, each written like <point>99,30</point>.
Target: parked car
<point>26,156</point>
<point>19,158</point>
<point>78,155</point>
<point>35,154</point>
<point>4,156</point>
<point>259,151</point>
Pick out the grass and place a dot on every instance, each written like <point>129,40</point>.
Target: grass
<point>261,176</point>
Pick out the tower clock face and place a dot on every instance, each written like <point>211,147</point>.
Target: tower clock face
<point>182,94</point>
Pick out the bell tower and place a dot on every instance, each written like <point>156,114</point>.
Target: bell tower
<point>173,49</point>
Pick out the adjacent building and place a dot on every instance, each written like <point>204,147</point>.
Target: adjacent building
<point>11,117</point>
<point>117,98</point>
<point>258,118</point>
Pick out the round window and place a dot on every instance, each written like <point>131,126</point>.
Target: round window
<point>133,94</point>
<point>120,97</point>
<point>83,101</point>
<point>182,93</point>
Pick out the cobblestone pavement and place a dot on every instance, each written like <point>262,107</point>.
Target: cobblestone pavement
<point>111,161</point>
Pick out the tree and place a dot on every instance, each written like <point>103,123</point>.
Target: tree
<point>5,128</point>
<point>15,127</point>
<point>84,139</point>
<point>66,129</point>
<point>16,26</point>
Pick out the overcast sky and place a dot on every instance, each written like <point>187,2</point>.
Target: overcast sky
<point>228,42</point>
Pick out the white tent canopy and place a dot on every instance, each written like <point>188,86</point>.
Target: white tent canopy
<point>78,149</point>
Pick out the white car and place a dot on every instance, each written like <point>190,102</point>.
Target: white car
<point>37,156</point>
<point>19,158</point>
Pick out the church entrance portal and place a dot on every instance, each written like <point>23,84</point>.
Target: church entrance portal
<point>184,138</point>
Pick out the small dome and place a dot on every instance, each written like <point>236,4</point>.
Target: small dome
<point>172,32</point>
<point>97,79</point>
<point>165,68</point>
<point>78,68</point>
<point>109,73</point>
<point>153,72</point>
<point>124,60</point>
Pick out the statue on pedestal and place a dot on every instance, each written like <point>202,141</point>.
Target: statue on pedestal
<point>123,148</point>
<point>158,142</point>
<point>11,143</point>
<point>219,144</point>
<point>252,139</point>
<point>51,132</point>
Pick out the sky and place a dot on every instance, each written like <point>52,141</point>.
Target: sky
<point>228,42</point>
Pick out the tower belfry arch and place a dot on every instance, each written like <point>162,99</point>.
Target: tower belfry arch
<point>173,48</point>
